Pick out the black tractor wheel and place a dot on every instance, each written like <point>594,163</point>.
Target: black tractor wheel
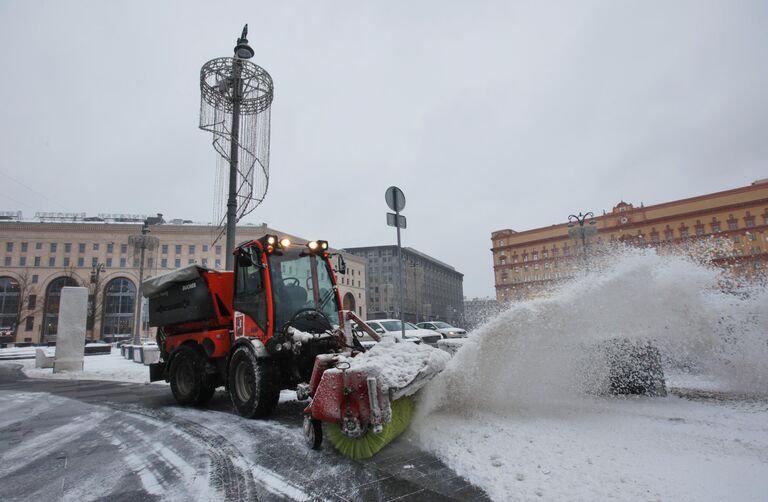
<point>313,432</point>
<point>252,384</point>
<point>189,384</point>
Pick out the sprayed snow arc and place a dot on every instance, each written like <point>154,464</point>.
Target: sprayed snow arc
<point>518,410</point>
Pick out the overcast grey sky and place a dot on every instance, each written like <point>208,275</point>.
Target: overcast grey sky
<point>488,115</point>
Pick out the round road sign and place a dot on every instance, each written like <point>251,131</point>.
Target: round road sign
<point>395,199</point>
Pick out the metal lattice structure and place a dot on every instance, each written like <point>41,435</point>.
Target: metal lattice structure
<point>236,96</point>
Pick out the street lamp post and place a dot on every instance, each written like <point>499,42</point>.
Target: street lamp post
<point>581,231</point>
<point>96,270</point>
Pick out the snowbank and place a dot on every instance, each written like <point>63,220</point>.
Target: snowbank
<point>111,367</point>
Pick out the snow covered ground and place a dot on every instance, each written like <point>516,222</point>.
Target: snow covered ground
<point>609,449</point>
<point>111,367</point>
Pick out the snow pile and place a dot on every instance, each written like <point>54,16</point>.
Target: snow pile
<point>396,365</point>
<point>113,367</point>
<point>515,410</point>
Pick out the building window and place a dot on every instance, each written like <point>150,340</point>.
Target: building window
<point>10,296</point>
<point>684,232</point>
<point>749,221</point>
<point>95,246</point>
<point>164,263</point>
<point>38,245</point>
<point>123,248</point>
<point>110,247</point>
<point>715,227</point>
<point>66,261</point>
<point>52,299</point>
<point>668,234</point>
<point>164,249</point>
<point>24,247</point>
<point>118,309</point>
<point>736,239</point>
<point>536,255</point>
<point>218,263</point>
<point>205,248</point>
<point>9,247</point>
<point>191,249</point>
<point>7,261</point>
<point>732,225</point>
<point>123,263</point>
<point>54,247</point>
<point>29,323</point>
<point>32,302</point>
<point>699,229</point>
<point>81,262</point>
<point>23,261</point>
<point>34,278</point>
<point>81,247</point>
<point>178,248</point>
<point>218,249</point>
<point>37,261</point>
<point>654,236</point>
<point>190,261</point>
<point>177,263</point>
<point>67,247</point>
<point>205,262</point>
<point>109,262</point>
<point>94,262</point>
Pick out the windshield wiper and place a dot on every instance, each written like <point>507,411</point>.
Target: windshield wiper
<point>326,297</point>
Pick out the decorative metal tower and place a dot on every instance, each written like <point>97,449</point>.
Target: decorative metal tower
<point>235,100</point>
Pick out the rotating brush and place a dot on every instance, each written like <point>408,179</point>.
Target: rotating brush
<point>369,444</point>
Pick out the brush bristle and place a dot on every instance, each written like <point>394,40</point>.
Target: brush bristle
<point>368,445</point>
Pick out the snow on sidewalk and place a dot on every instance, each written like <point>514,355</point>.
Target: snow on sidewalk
<point>112,367</point>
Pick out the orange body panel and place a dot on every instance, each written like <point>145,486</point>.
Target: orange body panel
<point>218,339</point>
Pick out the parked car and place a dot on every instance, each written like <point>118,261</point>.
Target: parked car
<point>392,327</point>
<point>444,329</point>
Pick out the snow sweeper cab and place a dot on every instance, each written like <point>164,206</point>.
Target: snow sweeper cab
<point>256,330</point>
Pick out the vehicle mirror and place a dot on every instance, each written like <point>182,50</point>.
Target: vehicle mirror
<point>341,265</point>
<point>380,331</point>
<point>245,259</point>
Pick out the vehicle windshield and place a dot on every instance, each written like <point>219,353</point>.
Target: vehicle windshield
<point>441,325</point>
<point>395,325</point>
<point>301,281</point>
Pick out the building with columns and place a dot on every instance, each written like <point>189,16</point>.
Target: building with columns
<point>38,257</point>
<point>531,262</point>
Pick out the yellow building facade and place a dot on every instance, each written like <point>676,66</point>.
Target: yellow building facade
<point>530,262</point>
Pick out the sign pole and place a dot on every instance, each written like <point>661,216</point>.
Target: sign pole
<point>395,199</point>
<point>400,272</point>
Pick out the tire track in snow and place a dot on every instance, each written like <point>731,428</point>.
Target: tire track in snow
<point>231,472</point>
<point>44,444</point>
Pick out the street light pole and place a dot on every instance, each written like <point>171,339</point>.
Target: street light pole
<point>580,219</point>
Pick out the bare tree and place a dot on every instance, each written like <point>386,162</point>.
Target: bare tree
<point>29,301</point>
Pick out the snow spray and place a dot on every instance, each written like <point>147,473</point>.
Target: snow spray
<point>541,352</point>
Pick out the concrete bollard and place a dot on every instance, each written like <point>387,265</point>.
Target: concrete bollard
<point>70,338</point>
<point>42,360</point>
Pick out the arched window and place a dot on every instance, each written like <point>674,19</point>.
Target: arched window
<point>119,298</point>
<point>52,299</point>
<point>349,302</point>
<point>9,303</point>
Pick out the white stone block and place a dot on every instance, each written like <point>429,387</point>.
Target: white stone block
<point>70,338</point>
<point>42,360</point>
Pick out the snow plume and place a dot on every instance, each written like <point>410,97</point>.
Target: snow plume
<point>541,351</point>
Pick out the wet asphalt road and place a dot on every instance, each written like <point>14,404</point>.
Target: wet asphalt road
<point>94,440</point>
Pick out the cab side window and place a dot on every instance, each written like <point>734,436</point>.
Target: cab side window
<point>250,297</point>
